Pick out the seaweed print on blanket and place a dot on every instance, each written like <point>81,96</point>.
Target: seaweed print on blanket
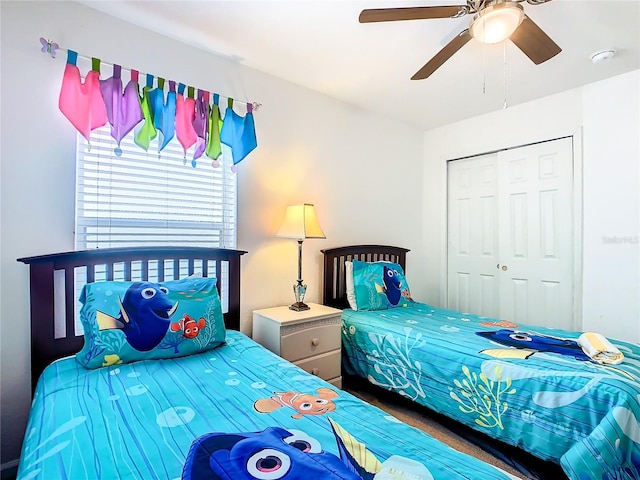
<point>393,363</point>
<point>483,396</point>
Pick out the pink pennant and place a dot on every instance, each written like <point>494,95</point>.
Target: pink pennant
<point>82,102</point>
<point>185,113</point>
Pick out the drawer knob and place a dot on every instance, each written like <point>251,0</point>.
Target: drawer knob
<point>314,371</point>
<point>315,342</point>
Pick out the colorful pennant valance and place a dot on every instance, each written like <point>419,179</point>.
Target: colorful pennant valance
<point>192,116</point>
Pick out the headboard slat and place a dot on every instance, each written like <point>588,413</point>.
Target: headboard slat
<point>70,327</point>
<point>127,271</point>
<point>176,268</point>
<point>191,266</point>
<point>160,269</point>
<point>144,274</point>
<point>334,291</point>
<point>45,347</point>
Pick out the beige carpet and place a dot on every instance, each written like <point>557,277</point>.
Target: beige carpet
<point>414,418</point>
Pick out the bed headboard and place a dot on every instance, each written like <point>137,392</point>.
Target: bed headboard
<point>52,284</point>
<point>334,292</point>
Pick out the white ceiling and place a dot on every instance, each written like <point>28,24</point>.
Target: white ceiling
<point>322,46</point>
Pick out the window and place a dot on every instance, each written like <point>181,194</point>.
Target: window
<point>150,198</point>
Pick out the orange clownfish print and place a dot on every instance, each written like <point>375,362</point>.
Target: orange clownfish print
<point>190,328</point>
<point>303,403</point>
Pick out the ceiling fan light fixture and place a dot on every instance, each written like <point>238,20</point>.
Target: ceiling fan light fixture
<point>497,22</point>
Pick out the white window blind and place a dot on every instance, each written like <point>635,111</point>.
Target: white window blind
<point>149,199</point>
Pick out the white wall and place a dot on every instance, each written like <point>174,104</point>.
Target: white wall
<point>611,116</point>
<point>606,116</point>
<point>311,149</point>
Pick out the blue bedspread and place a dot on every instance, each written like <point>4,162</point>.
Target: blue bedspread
<point>168,419</point>
<point>557,406</point>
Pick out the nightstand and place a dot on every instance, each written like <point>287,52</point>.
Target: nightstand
<point>310,339</point>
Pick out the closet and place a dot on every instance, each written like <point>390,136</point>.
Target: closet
<point>510,234</point>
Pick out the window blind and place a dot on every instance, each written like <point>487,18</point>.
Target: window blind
<point>151,198</point>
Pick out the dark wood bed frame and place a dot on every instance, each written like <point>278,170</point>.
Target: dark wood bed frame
<point>45,347</point>
<point>334,291</point>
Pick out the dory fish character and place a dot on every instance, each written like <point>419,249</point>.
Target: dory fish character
<point>274,453</point>
<point>190,328</point>
<point>392,285</point>
<point>287,454</point>
<point>529,343</point>
<point>303,403</point>
<point>144,315</point>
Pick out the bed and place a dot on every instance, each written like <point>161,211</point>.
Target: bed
<point>551,402</point>
<point>236,411</point>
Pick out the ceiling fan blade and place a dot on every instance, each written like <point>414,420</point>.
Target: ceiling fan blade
<point>533,42</point>
<point>410,13</point>
<point>443,55</point>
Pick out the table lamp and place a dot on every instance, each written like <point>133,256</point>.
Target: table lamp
<point>300,222</point>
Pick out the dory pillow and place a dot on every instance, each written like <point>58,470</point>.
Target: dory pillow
<point>129,321</point>
<point>380,285</point>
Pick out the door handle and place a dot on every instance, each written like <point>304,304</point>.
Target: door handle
<point>504,268</point>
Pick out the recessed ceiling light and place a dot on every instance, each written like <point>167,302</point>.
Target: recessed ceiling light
<point>603,55</point>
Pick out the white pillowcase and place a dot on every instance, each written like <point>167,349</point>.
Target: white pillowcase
<point>351,293</point>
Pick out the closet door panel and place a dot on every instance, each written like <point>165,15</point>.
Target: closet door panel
<point>473,242</point>
<point>536,239</point>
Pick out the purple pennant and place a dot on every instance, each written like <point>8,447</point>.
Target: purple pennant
<point>201,122</point>
<point>123,109</point>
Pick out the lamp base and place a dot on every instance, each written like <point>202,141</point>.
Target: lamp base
<point>299,291</point>
<point>299,307</point>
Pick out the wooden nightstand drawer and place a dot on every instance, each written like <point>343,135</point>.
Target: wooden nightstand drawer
<point>311,341</point>
<point>326,366</point>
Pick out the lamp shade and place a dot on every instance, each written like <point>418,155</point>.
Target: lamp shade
<point>496,22</point>
<point>300,222</point>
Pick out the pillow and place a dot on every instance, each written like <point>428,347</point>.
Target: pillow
<point>129,321</point>
<point>380,285</point>
<point>351,294</point>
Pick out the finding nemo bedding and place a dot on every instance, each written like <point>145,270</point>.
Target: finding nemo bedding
<point>513,382</point>
<point>236,412</point>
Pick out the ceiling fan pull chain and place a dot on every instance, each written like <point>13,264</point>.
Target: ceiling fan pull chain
<point>504,72</point>
<point>484,70</point>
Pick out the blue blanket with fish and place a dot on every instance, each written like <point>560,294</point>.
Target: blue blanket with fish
<point>531,387</point>
<point>236,412</point>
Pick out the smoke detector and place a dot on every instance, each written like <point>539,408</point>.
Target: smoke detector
<point>603,55</point>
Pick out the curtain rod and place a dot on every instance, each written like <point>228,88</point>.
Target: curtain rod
<point>51,48</point>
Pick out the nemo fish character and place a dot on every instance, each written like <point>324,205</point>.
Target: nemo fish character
<point>501,323</point>
<point>190,328</point>
<point>303,403</point>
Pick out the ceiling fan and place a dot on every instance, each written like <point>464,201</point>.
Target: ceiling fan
<point>493,21</point>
